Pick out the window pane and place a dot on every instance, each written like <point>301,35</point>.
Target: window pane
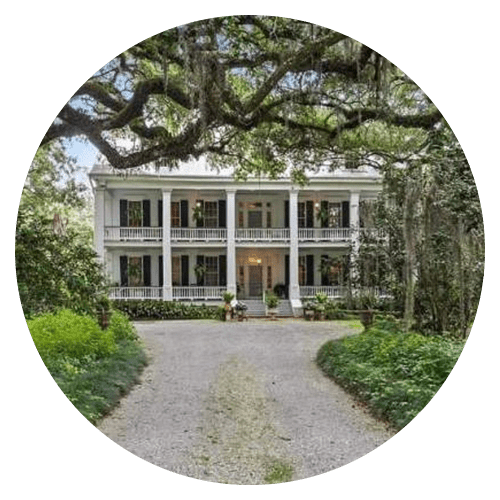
<point>212,272</point>
<point>175,214</point>
<point>211,214</point>
<point>135,214</point>
<point>135,271</point>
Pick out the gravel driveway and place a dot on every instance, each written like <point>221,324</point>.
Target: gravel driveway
<point>241,403</point>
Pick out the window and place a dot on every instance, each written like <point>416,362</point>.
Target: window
<point>175,214</point>
<point>302,270</point>
<point>135,214</point>
<point>268,221</point>
<point>212,271</point>
<point>211,214</point>
<point>301,208</point>
<point>176,271</point>
<point>135,271</point>
<point>334,214</point>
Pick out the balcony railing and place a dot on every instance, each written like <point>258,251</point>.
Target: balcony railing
<point>337,292</point>
<point>262,234</point>
<point>197,234</point>
<point>198,292</point>
<point>324,234</point>
<point>136,293</point>
<point>115,233</point>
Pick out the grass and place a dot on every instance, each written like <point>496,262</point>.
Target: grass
<point>278,472</point>
<point>95,385</point>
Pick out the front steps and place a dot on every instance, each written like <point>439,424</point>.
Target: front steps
<point>257,308</point>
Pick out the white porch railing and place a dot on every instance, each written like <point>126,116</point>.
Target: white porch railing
<point>262,234</point>
<point>115,233</point>
<point>325,234</point>
<point>198,292</point>
<point>198,234</point>
<point>333,292</point>
<point>136,293</point>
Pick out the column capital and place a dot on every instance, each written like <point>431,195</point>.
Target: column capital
<point>166,190</point>
<point>231,190</point>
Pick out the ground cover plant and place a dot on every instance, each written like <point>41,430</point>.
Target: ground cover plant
<point>396,374</point>
<point>93,367</point>
<point>160,310</point>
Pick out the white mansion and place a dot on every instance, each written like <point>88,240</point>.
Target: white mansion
<point>169,235</point>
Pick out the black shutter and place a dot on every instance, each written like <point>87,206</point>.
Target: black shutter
<point>345,214</point>
<point>309,213</point>
<point>222,270</point>
<point>123,213</point>
<point>222,213</point>
<point>324,209</point>
<point>309,270</point>
<point>287,213</point>
<point>146,213</point>
<point>200,261</point>
<point>160,270</point>
<point>123,270</point>
<point>200,222</point>
<point>184,213</point>
<point>325,279</point>
<point>160,213</point>
<point>185,270</point>
<point>146,270</point>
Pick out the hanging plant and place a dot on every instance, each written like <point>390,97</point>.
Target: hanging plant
<point>323,216</point>
<point>200,270</point>
<point>198,213</point>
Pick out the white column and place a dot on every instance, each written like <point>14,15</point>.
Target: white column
<point>231,246</point>
<point>354,225</point>
<point>167,250</point>
<point>294,246</point>
<point>99,221</point>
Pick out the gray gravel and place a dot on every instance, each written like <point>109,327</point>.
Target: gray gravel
<point>232,402</point>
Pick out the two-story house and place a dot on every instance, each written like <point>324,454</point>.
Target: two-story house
<point>191,234</point>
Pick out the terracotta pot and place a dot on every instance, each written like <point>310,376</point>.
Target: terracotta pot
<point>366,318</point>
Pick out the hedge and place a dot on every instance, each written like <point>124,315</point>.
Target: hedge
<point>159,309</point>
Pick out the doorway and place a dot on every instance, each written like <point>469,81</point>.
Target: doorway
<point>255,281</point>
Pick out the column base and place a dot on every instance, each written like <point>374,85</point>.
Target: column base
<point>167,294</point>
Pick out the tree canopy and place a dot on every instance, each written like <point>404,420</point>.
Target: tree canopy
<point>255,92</point>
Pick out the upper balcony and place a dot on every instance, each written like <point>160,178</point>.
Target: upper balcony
<point>256,235</point>
<point>133,234</point>
<point>325,235</point>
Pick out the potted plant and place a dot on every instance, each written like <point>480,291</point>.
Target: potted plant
<point>366,304</point>
<point>198,213</point>
<point>199,271</point>
<point>320,305</point>
<point>323,216</point>
<point>272,302</point>
<point>240,309</point>
<point>228,297</point>
<point>280,290</point>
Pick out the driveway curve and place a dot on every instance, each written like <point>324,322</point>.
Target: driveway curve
<point>241,403</point>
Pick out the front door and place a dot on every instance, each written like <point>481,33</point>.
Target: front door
<point>254,219</point>
<point>255,281</point>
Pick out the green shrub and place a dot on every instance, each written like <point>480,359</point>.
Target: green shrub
<point>67,334</point>
<point>396,374</point>
<point>121,327</point>
<point>94,385</point>
<point>161,310</point>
